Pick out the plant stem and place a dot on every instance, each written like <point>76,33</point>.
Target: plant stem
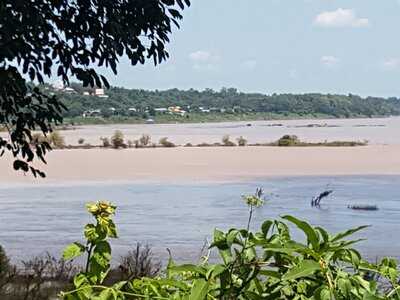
<point>89,252</point>
<point>100,287</point>
<point>248,228</point>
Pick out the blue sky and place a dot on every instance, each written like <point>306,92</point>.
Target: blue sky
<point>268,46</point>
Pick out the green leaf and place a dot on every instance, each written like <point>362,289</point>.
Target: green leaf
<point>354,256</point>
<point>219,239</point>
<point>231,237</point>
<point>119,285</point>
<point>199,290</point>
<point>278,249</point>
<point>107,294</point>
<point>112,230</point>
<point>174,283</point>
<point>369,296</point>
<point>324,234</point>
<point>74,250</point>
<point>344,286</point>
<point>312,235</point>
<point>270,273</point>
<point>222,245</point>
<point>266,226</point>
<point>253,296</point>
<point>283,230</point>
<point>82,283</point>
<point>90,232</point>
<point>325,294</point>
<point>80,280</point>
<point>322,293</point>
<point>349,243</point>
<point>188,268</point>
<point>344,234</point>
<point>102,254</point>
<point>305,268</point>
<point>215,271</point>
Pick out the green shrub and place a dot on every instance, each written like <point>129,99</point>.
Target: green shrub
<point>227,142</point>
<point>39,278</point>
<point>242,141</point>
<point>293,140</point>
<point>56,140</point>
<point>204,145</point>
<point>138,263</point>
<point>117,140</point>
<point>288,140</point>
<point>165,143</point>
<point>145,140</point>
<point>8,275</point>
<point>38,138</point>
<point>267,264</point>
<point>4,263</point>
<point>105,141</point>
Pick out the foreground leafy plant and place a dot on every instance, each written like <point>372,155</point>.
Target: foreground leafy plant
<point>268,264</point>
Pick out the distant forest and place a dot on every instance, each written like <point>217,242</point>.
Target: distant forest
<point>120,102</point>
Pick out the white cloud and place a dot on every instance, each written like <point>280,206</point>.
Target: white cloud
<point>249,64</point>
<point>391,64</point>
<point>329,61</point>
<point>293,74</point>
<point>205,67</point>
<point>200,56</point>
<point>204,60</point>
<point>340,18</point>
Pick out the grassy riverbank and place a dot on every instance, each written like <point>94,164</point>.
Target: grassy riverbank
<point>193,118</point>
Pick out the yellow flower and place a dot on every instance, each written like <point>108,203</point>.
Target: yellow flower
<point>92,208</point>
<point>253,201</point>
<point>104,205</point>
<point>103,208</point>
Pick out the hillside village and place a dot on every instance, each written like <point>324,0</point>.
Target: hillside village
<point>175,110</point>
<point>228,103</point>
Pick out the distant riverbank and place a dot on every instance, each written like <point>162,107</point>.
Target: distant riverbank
<point>224,164</point>
<point>194,118</point>
<point>199,118</point>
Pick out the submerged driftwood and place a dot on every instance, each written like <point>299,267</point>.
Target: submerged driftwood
<point>316,202</point>
<point>363,207</point>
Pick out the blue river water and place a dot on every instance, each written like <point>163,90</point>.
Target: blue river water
<point>35,219</point>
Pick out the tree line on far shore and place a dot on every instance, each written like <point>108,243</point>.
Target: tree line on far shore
<point>143,104</point>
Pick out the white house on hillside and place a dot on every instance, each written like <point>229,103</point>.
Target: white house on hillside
<point>58,85</point>
<point>69,90</point>
<point>100,93</point>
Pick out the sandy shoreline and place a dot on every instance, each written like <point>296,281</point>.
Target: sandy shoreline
<point>208,164</point>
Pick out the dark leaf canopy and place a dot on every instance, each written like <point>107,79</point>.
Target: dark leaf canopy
<point>69,38</point>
